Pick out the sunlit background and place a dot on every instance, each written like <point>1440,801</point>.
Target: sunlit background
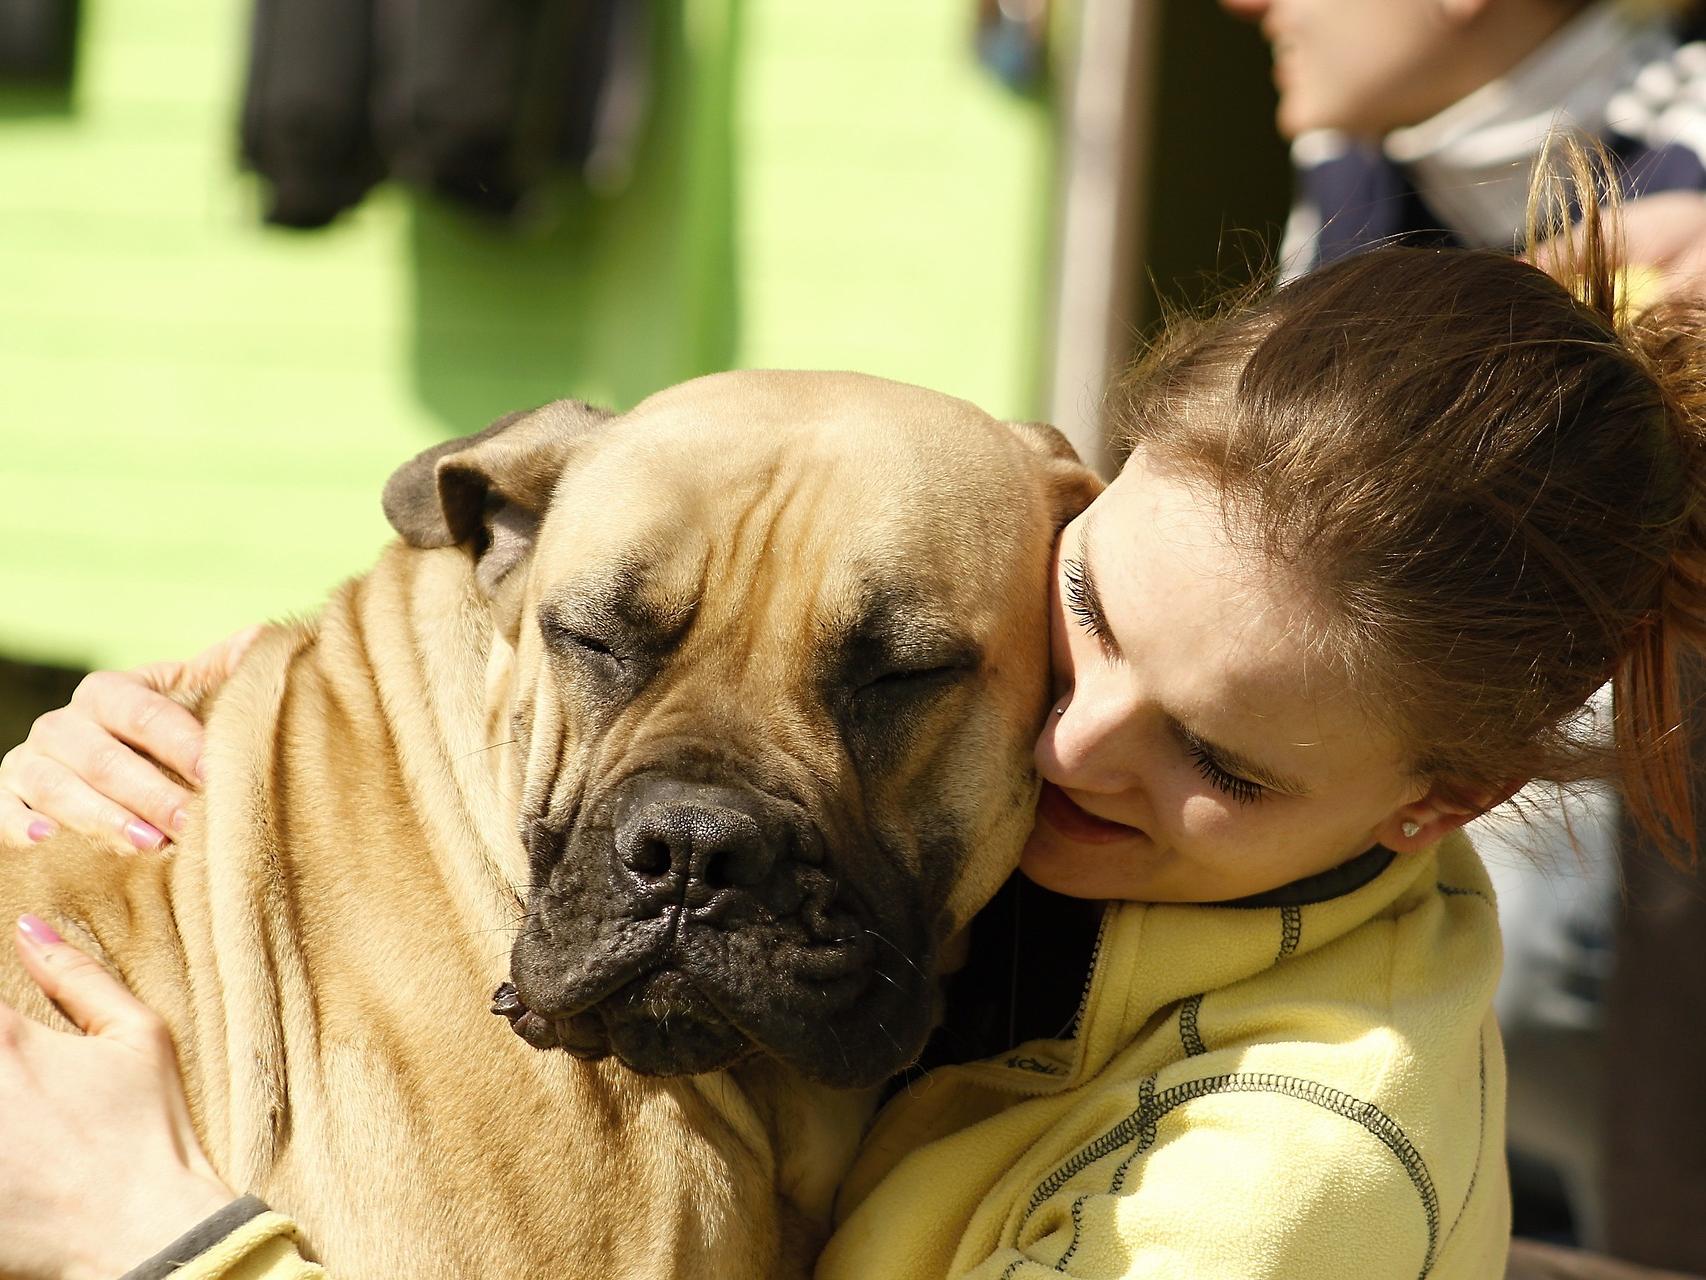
<point>200,404</point>
<point>200,408</point>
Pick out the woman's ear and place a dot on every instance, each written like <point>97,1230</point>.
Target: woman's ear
<point>1425,821</point>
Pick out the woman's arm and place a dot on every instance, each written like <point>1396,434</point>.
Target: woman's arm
<point>100,1167</point>
<point>90,766</point>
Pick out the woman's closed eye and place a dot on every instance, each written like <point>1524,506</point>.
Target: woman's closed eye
<point>1218,775</point>
<point>1083,603</point>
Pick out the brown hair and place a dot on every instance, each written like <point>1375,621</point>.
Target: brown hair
<point>1493,484</point>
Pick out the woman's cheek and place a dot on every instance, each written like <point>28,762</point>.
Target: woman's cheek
<point>1206,815</point>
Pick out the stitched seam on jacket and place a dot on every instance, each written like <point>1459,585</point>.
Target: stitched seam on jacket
<point>1453,891</point>
<point>1144,1118</point>
<point>1480,1142</point>
<point>1188,1034</point>
<point>1140,1126</point>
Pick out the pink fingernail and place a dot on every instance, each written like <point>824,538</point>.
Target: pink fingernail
<point>38,931</point>
<point>201,770</point>
<point>143,835</point>
<point>180,820</point>
<point>40,830</point>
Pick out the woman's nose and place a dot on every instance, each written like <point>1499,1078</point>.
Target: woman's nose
<point>1088,744</point>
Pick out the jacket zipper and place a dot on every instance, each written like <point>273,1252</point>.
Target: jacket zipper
<point>1071,1032</point>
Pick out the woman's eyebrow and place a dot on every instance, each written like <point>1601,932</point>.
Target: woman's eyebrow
<point>1240,764</point>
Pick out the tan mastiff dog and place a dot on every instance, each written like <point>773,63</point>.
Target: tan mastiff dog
<point>706,727</point>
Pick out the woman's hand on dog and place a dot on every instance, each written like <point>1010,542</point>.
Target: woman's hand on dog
<point>90,766</point>
<point>99,1165</point>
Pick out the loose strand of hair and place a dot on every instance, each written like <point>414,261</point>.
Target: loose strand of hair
<point>1573,227</point>
<point>1653,746</point>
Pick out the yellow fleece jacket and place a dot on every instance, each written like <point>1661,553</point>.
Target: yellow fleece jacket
<point>1311,1090</point>
<point>262,1247</point>
<point>1252,1091</point>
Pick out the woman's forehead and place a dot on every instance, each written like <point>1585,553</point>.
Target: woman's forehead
<point>1223,639</point>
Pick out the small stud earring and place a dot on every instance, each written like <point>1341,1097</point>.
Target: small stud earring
<point>1410,830</point>
<point>1060,710</point>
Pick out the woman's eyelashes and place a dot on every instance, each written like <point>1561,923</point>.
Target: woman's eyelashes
<point>1082,604</point>
<point>1217,775</point>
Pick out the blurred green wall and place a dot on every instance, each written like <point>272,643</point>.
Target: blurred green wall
<point>199,412</point>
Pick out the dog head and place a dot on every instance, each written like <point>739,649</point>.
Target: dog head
<point>780,656</point>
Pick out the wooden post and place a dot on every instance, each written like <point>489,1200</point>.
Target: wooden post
<point>1105,148</point>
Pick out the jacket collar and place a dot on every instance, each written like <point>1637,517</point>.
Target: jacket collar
<point>1150,956</point>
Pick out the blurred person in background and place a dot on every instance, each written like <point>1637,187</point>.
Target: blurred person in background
<point>1421,121</point>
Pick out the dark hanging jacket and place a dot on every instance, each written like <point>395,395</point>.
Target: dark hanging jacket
<point>475,101</point>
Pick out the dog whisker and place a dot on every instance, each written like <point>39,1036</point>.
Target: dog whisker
<point>883,1027</point>
<point>840,1048</point>
<point>477,751</point>
<point>921,1075</point>
<point>911,963</point>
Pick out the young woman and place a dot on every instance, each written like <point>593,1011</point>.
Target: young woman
<point>1382,533</point>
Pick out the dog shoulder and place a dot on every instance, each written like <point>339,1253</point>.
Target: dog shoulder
<point>114,908</point>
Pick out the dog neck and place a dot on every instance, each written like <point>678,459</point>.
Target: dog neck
<point>445,681</point>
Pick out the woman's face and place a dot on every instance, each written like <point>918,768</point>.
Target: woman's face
<point>1200,753</point>
<point>1362,66</point>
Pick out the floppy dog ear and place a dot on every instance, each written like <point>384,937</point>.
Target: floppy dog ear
<point>1071,484</point>
<point>488,492</point>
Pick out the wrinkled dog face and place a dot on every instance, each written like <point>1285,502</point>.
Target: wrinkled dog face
<point>780,661</point>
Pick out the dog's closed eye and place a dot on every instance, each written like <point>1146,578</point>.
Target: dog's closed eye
<point>574,638</point>
<point>917,681</point>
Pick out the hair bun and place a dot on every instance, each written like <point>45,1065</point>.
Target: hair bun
<point>1575,234</point>
<point>1669,339</point>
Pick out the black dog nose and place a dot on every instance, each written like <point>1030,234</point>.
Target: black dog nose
<point>702,835</point>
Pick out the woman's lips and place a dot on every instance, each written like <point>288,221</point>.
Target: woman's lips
<point>1058,809</point>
